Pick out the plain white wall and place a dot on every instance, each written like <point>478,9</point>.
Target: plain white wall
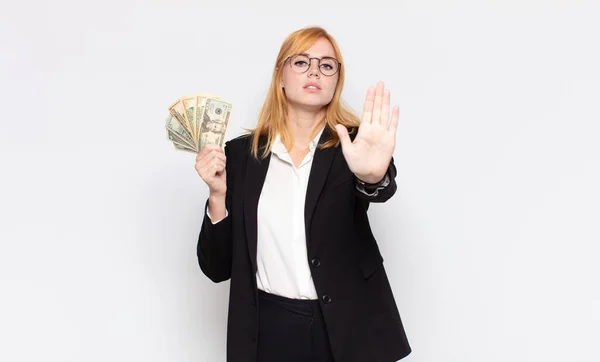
<point>491,242</point>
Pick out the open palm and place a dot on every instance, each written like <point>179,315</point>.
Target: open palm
<point>369,155</point>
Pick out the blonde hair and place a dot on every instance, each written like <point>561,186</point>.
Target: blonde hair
<point>273,115</point>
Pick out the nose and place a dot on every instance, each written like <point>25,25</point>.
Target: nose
<point>314,70</point>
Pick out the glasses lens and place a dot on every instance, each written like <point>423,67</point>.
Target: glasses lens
<point>329,66</point>
<point>300,63</point>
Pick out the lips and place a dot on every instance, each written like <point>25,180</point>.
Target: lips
<point>310,85</point>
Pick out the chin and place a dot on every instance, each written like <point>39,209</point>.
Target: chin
<point>310,103</point>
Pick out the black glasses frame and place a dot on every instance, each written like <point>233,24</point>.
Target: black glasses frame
<point>318,64</point>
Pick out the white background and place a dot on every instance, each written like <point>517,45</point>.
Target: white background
<point>491,242</point>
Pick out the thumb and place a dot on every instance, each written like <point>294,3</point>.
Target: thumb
<point>343,134</point>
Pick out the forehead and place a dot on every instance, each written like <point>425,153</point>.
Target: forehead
<point>321,48</point>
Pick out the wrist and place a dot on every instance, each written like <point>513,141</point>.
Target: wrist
<point>216,198</point>
<point>369,180</point>
<point>216,209</point>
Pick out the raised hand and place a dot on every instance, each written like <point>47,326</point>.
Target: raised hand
<point>369,155</point>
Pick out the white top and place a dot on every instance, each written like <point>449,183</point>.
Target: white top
<point>282,260</point>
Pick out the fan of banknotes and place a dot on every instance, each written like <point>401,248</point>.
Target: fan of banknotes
<point>197,120</point>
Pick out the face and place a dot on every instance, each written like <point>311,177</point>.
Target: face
<point>214,127</point>
<point>310,89</point>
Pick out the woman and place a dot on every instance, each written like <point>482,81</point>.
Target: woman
<point>286,219</point>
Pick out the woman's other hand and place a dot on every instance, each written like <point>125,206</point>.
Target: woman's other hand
<point>369,155</point>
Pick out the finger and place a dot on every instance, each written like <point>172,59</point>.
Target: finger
<point>211,169</point>
<point>376,118</point>
<point>204,160</point>
<point>210,164</point>
<point>385,109</point>
<point>368,106</point>
<point>207,149</point>
<point>219,167</point>
<point>394,122</point>
<point>209,157</point>
<point>213,154</point>
<point>219,154</point>
<point>212,146</point>
<point>344,137</point>
<point>202,153</point>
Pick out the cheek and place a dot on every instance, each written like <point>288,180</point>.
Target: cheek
<point>290,78</point>
<point>331,87</point>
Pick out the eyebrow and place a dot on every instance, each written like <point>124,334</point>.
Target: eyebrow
<point>324,56</point>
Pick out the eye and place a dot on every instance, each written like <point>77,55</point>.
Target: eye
<point>327,66</point>
<point>300,63</point>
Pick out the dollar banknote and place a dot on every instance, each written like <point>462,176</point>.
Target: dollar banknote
<point>177,109</point>
<point>200,101</point>
<point>197,120</point>
<point>215,121</point>
<point>200,105</point>
<point>184,148</point>
<point>178,132</point>
<point>189,105</point>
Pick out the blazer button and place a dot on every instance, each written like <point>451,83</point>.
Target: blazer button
<point>326,299</point>
<point>316,262</point>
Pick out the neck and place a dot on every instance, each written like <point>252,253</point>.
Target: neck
<point>302,123</point>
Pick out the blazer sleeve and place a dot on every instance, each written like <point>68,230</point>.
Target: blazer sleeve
<point>215,243</point>
<point>380,194</point>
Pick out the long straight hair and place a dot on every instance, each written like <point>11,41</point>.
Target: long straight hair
<point>274,114</point>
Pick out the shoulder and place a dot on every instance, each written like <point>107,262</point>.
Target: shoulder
<point>239,140</point>
<point>239,145</point>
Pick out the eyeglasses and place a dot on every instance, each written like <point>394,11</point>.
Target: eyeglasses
<point>300,63</point>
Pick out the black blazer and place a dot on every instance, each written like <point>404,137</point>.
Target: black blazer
<point>360,312</point>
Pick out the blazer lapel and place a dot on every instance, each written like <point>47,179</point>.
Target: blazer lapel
<point>319,171</point>
<point>256,171</point>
